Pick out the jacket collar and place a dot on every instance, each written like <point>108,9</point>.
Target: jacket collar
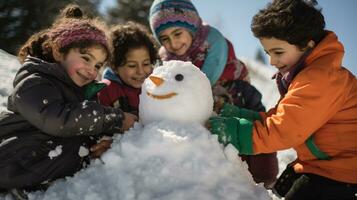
<point>35,65</point>
<point>109,74</point>
<point>330,49</point>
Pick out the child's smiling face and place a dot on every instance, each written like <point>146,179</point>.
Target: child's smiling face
<point>283,55</point>
<point>82,65</point>
<point>176,40</point>
<point>137,67</point>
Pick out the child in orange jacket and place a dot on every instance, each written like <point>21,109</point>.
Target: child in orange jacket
<point>317,112</point>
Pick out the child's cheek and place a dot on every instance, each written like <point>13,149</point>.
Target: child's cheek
<point>71,71</point>
<point>93,76</point>
<point>74,66</point>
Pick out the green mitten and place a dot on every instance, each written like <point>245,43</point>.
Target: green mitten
<point>235,131</point>
<point>93,88</point>
<point>230,110</point>
<point>226,129</point>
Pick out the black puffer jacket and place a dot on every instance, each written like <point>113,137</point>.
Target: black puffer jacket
<point>46,100</point>
<point>50,125</point>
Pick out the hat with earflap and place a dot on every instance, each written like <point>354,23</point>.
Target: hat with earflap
<point>171,13</point>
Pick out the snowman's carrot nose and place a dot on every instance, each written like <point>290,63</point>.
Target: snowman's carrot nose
<point>156,80</point>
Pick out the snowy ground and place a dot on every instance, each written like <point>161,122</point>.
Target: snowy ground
<point>175,164</point>
<point>8,67</point>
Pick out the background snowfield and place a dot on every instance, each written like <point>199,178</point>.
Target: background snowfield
<point>164,160</point>
<point>8,68</point>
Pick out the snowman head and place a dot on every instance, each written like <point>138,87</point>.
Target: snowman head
<point>176,91</point>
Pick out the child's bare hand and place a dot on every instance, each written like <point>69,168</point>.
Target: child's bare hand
<point>218,104</point>
<point>102,146</point>
<point>208,125</point>
<point>129,121</point>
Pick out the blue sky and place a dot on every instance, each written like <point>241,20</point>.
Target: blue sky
<point>233,18</point>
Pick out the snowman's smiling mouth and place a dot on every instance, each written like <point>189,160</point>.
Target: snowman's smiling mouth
<point>165,96</point>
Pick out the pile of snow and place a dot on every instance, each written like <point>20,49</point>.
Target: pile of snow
<point>163,160</point>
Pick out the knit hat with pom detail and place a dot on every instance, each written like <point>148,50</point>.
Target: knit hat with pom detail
<point>71,31</point>
<point>170,13</point>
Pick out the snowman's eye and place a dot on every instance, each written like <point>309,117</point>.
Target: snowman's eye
<point>179,77</point>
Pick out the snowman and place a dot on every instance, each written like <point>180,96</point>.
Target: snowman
<point>170,154</point>
<point>176,91</point>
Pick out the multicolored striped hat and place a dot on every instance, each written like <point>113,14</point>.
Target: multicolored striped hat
<point>170,13</point>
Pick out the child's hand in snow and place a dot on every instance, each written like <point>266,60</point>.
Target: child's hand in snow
<point>101,147</point>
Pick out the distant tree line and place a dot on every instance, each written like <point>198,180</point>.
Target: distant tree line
<point>19,19</point>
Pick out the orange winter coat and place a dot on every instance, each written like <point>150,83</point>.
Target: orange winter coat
<point>321,100</point>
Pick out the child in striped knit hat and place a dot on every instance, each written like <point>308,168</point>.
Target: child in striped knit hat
<point>53,116</point>
<point>178,27</point>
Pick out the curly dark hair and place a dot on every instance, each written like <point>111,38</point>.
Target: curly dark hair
<point>294,21</point>
<point>72,11</point>
<point>35,47</point>
<point>129,36</point>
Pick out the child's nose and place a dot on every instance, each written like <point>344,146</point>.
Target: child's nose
<point>92,72</point>
<point>273,61</point>
<point>140,70</point>
<point>174,44</point>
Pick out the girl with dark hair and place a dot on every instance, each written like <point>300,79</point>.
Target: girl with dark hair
<point>134,55</point>
<point>53,118</point>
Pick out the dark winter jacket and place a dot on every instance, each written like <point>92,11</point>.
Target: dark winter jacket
<point>118,94</point>
<point>46,100</point>
<point>49,126</point>
<point>243,95</point>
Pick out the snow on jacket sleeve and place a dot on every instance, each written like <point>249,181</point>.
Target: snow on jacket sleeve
<point>45,106</point>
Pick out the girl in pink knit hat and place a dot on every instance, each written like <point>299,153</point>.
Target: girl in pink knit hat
<point>53,117</point>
